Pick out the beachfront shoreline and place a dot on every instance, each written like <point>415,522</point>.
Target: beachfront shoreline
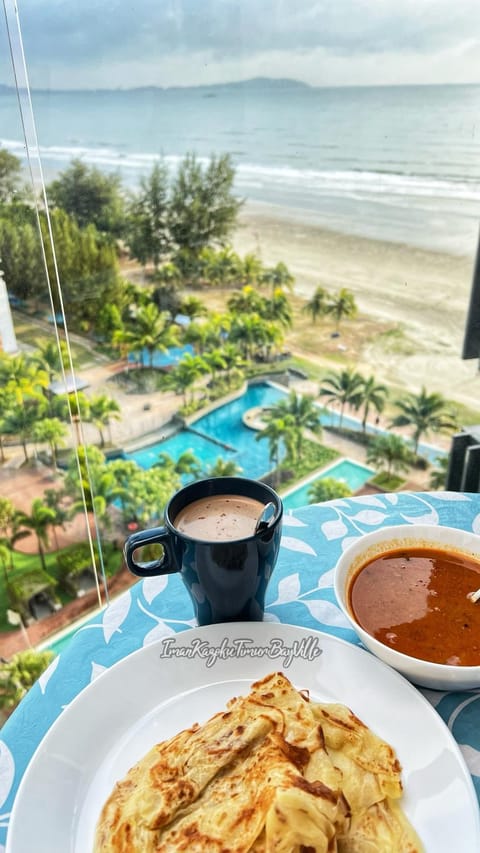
<point>423,294</point>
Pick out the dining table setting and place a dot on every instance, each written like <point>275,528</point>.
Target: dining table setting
<point>143,668</point>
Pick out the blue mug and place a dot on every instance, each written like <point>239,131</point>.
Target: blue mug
<point>225,578</point>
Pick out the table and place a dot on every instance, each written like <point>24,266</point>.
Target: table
<point>300,593</point>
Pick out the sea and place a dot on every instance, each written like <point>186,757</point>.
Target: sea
<point>398,163</point>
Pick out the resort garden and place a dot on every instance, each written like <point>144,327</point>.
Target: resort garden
<point>136,276</point>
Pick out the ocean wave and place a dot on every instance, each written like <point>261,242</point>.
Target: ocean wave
<point>352,182</point>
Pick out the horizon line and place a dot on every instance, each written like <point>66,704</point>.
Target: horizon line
<point>234,83</point>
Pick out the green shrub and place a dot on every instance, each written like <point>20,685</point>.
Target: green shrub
<point>19,674</point>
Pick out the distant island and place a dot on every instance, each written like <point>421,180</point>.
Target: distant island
<point>251,83</point>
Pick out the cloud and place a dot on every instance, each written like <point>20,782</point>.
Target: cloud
<point>147,41</point>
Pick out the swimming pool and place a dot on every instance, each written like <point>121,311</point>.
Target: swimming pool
<point>169,358</point>
<point>220,433</point>
<point>352,473</point>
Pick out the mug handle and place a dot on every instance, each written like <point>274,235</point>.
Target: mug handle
<point>157,536</point>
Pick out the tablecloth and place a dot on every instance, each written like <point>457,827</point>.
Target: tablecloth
<point>300,593</point>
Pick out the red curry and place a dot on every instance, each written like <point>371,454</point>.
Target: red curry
<point>415,601</point>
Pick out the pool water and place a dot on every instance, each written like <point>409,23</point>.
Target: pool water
<point>233,440</point>
<point>352,473</point>
<point>169,358</point>
<point>206,451</point>
<point>59,645</point>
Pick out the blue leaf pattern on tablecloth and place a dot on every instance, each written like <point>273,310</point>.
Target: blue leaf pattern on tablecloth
<point>96,670</point>
<point>452,496</point>
<point>369,516</point>
<point>476,524</point>
<point>154,586</point>
<point>326,580</point>
<point>348,541</point>
<point>334,529</point>
<point>392,498</point>
<point>288,589</point>
<point>161,630</point>
<point>115,615</point>
<point>297,545</point>
<point>46,676</point>
<point>270,617</point>
<point>292,521</point>
<point>426,518</point>
<point>326,613</point>
<point>7,772</point>
<point>371,500</point>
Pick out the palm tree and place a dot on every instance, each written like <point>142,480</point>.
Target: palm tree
<point>426,413</point>
<point>342,305</point>
<point>215,361</point>
<point>246,301</point>
<point>250,331</point>
<point>223,267</point>
<point>40,518</point>
<point>185,374</point>
<point>304,413</point>
<point>22,373</point>
<point>279,431</point>
<point>328,489</point>
<point>186,464</point>
<point>52,358</point>
<point>193,307</point>
<point>278,276</point>
<point>438,476</point>
<point>391,451</point>
<point>318,304</point>
<point>103,410</point>
<point>124,472</point>
<point>344,388</point>
<point>222,468</point>
<point>50,431</point>
<point>233,359</point>
<point>91,482</point>
<point>21,420</point>
<point>251,269</point>
<point>54,498</point>
<point>151,330</point>
<point>373,395</point>
<point>197,335</point>
<point>278,308</point>
<point>74,408</point>
<point>11,531</point>
<point>169,274</point>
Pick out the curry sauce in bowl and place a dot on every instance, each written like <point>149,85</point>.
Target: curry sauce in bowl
<point>405,591</point>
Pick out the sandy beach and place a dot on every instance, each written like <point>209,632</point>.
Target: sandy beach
<point>421,296</point>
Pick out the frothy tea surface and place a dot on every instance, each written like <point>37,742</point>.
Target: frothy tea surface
<point>219,518</point>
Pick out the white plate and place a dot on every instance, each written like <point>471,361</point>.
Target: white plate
<point>148,697</point>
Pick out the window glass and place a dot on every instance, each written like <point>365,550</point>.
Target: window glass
<point>197,194</point>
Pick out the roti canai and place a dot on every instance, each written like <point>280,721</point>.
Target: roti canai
<point>274,773</point>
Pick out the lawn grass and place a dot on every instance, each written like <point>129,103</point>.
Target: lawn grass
<point>387,482</point>
<point>27,331</point>
<point>314,456</point>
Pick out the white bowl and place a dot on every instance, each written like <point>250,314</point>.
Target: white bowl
<point>436,676</point>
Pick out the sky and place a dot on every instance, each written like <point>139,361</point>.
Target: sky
<point>126,43</point>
